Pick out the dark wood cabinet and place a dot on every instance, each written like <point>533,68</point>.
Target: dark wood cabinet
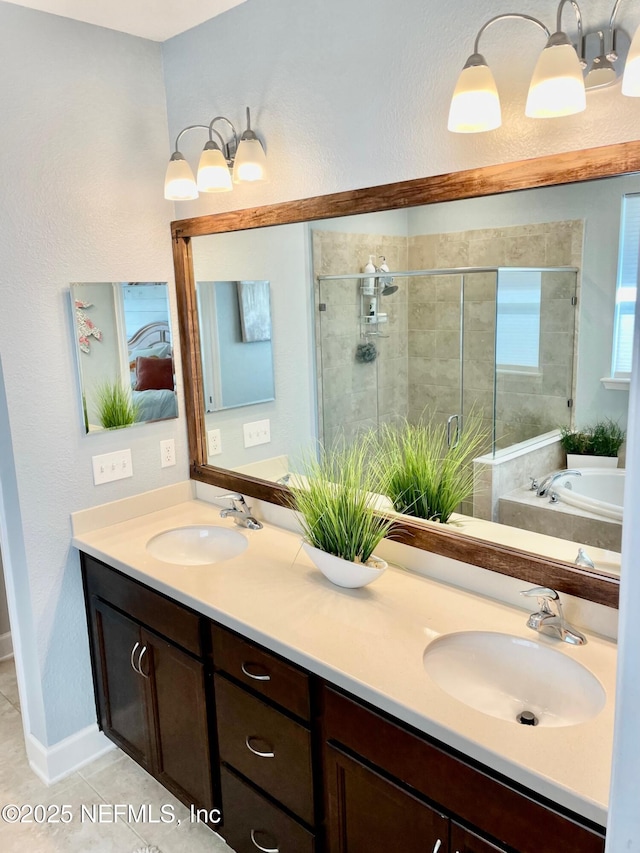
<point>295,764</point>
<point>270,749</point>
<point>465,841</point>
<point>253,823</point>
<point>122,692</point>
<point>151,695</point>
<point>510,819</point>
<point>177,697</point>
<point>368,813</point>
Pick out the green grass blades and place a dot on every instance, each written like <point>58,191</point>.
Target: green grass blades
<point>603,438</point>
<point>115,405</point>
<point>335,503</point>
<point>421,475</point>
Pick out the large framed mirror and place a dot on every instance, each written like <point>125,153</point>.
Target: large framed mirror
<point>503,293</point>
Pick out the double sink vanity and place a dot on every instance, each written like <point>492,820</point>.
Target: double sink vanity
<point>303,716</point>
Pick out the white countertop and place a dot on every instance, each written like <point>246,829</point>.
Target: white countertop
<point>370,642</point>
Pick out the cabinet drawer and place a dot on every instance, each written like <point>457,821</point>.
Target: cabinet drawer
<point>513,818</point>
<point>265,746</point>
<point>276,679</point>
<point>164,616</point>
<point>252,823</point>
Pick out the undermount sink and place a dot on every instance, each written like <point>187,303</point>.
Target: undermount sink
<point>513,678</point>
<point>197,545</point>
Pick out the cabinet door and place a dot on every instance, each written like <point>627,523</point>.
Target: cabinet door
<point>369,814</point>
<point>464,841</point>
<point>179,709</point>
<point>122,691</point>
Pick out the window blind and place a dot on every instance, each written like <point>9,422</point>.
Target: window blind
<point>627,285</point>
<point>518,319</point>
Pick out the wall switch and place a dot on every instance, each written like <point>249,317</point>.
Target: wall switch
<point>112,466</point>
<point>167,453</point>
<point>258,432</point>
<point>214,442</point>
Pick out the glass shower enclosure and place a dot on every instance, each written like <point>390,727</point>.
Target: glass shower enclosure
<point>437,344</point>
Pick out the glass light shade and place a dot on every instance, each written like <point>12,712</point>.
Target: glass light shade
<point>179,183</point>
<point>475,105</point>
<point>600,75</point>
<point>250,163</point>
<point>631,76</point>
<point>213,172</point>
<point>557,85</point>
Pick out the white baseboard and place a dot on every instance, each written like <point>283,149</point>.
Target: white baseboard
<point>6,647</point>
<point>55,762</point>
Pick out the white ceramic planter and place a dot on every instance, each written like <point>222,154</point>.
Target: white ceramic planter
<point>582,460</point>
<point>343,572</point>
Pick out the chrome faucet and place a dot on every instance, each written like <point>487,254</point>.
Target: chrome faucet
<point>545,485</point>
<point>240,512</point>
<point>546,621</point>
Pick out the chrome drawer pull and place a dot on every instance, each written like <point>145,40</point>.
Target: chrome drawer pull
<point>260,847</point>
<point>256,751</point>
<point>140,670</point>
<point>255,677</point>
<point>437,846</point>
<point>133,666</point>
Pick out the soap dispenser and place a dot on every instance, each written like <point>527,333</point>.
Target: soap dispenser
<point>369,284</point>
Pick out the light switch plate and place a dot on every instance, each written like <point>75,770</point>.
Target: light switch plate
<point>257,432</point>
<point>112,466</point>
<point>214,442</point>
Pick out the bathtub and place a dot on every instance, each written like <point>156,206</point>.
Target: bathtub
<point>598,490</point>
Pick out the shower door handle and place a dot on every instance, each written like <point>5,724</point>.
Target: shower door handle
<point>450,421</point>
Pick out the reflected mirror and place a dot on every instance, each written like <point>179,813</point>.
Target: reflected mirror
<point>235,333</point>
<point>124,353</point>
<point>512,304</point>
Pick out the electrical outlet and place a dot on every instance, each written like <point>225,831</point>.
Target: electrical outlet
<point>112,466</point>
<point>167,453</point>
<point>257,432</point>
<point>214,442</point>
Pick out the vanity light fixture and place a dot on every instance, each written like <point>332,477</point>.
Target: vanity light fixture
<point>558,85</point>
<point>244,155</point>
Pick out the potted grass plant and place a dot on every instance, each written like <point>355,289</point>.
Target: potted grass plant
<point>114,405</point>
<point>422,475</point>
<point>596,446</point>
<point>338,515</point>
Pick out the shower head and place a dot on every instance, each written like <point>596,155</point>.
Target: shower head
<point>389,288</point>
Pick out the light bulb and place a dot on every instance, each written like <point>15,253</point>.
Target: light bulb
<point>250,162</point>
<point>213,171</point>
<point>179,183</point>
<point>475,105</point>
<point>557,85</point>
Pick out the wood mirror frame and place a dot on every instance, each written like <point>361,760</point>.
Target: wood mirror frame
<point>570,167</point>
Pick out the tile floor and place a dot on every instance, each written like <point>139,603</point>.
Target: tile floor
<point>112,779</point>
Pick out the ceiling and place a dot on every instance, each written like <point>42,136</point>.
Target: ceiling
<point>152,19</point>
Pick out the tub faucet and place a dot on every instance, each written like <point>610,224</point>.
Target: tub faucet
<point>240,512</point>
<point>546,621</point>
<point>545,485</point>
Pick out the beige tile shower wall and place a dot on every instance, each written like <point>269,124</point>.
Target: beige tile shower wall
<point>353,395</point>
<point>433,346</point>
<point>526,406</point>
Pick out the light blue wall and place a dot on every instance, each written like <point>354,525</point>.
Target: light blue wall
<point>85,147</point>
<point>246,369</point>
